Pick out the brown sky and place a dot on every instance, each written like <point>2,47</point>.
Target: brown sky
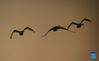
<point>41,15</point>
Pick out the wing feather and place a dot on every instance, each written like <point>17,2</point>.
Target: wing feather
<point>14,31</point>
<point>73,23</point>
<point>85,19</point>
<point>28,28</point>
<point>66,29</point>
<point>48,32</point>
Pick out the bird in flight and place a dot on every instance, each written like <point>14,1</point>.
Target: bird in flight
<point>21,32</point>
<point>79,25</point>
<point>55,28</point>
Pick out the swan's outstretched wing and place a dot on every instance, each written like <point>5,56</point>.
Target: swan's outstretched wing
<point>58,27</point>
<point>15,31</point>
<point>85,19</point>
<point>48,32</point>
<point>28,28</point>
<point>73,23</point>
<point>65,29</point>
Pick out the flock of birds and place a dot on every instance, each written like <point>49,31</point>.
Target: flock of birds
<point>54,29</point>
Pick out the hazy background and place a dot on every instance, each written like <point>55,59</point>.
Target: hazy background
<point>41,15</point>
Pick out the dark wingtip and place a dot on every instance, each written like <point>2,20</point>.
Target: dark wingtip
<point>33,31</point>
<point>10,37</point>
<point>87,19</point>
